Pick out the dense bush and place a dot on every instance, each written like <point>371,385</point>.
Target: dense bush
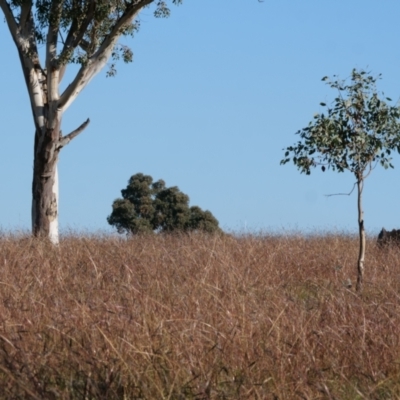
<point>147,207</point>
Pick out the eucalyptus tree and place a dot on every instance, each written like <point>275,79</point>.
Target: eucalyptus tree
<point>84,32</point>
<point>359,131</point>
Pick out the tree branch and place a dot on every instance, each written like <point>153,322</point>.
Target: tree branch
<point>130,13</point>
<point>24,39</point>
<point>26,8</point>
<point>66,139</point>
<point>370,169</point>
<point>96,62</point>
<point>84,45</point>
<point>342,194</point>
<point>52,32</point>
<point>23,35</point>
<point>11,22</point>
<point>76,33</point>
<point>52,64</point>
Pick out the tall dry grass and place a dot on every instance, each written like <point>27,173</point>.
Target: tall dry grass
<point>197,317</point>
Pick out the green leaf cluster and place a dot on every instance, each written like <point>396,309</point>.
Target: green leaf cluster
<point>359,130</point>
<point>147,207</point>
<point>82,26</point>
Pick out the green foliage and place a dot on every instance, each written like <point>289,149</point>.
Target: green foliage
<point>84,25</point>
<point>148,207</point>
<point>172,210</point>
<point>358,131</point>
<point>202,220</point>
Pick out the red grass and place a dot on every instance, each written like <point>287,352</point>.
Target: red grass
<point>197,317</point>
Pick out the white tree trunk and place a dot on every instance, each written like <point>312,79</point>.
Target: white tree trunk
<point>43,87</point>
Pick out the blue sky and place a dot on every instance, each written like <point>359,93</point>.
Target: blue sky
<point>214,94</point>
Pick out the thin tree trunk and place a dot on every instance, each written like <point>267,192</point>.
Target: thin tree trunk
<point>361,230</point>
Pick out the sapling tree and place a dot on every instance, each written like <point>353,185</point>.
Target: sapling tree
<point>84,32</point>
<point>358,131</point>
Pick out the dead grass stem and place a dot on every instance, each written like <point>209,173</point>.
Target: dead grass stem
<point>197,317</point>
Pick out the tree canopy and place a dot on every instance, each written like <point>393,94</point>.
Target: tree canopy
<point>147,207</point>
<point>359,131</point>
<point>78,31</point>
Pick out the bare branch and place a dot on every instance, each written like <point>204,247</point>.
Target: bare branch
<point>11,22</point>
<point>26,8</point>
<point>371,168</point>
<point>62,72</point>
<point>342,194</point>
<point>66,139</point>
<point>24,39</point>
<point>51,50</point>
<point>76,33</point>
<point>52,33</point>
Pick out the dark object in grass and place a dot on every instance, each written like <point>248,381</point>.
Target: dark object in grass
<point>387,238</point>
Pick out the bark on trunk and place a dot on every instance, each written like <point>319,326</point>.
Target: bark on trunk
<point>45,184</point>
<point>361,230</point>
<point>43,88</point>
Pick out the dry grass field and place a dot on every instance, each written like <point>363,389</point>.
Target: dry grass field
<point>198,317</point>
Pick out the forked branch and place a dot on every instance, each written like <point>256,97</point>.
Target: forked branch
<point>102,54</point>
